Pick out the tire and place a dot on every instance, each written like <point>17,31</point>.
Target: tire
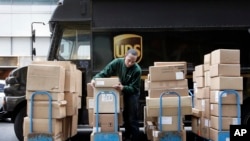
<point>18,124</point>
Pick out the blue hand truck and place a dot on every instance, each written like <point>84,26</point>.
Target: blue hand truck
<point>40,136</point>
<point>106,136</point>
<point>224,135</point>
<point>191,93</point>
<point>171,135</point>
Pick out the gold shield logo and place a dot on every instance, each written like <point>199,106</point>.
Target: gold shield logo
<point>124,42</point>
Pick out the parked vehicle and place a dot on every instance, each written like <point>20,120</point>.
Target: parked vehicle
<point>2,84</point>
<point>85,31</point>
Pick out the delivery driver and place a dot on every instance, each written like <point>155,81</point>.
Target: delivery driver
<point>129,73</point>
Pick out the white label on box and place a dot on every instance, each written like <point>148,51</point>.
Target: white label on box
<point>95,130</point>
<point>227,139</point>
<point>179,75</point>
<point>207,122</point>
<point>235,121</point>
<point>217,94</point>
<point>99,83</point>
<point>203,105</point>
<point>155,133</point>
<point>107,97</point>
<point>211,106</point>
<point>195,88</point>
<point>91,103</point>
<point>166,120</point>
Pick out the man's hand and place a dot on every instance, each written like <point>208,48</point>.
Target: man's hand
<point>92,83</point>
<point>118,87</point>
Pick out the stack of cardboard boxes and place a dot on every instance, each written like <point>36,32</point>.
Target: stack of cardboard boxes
<point>221,71</point>
<point>101,100</point>
<point>63,82</point>
<point>166,77</point>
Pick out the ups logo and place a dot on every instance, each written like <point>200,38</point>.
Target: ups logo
<point>124,42</point>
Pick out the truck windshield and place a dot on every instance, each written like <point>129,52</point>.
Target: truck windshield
<point>75,45</point>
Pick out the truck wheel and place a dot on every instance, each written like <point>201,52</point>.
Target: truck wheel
<point>18,124</point>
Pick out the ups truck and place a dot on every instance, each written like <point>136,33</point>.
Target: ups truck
<point>90,33</point>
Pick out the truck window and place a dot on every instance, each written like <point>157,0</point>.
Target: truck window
<point>75,45</point>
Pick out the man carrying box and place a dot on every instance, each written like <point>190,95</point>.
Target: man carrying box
<point>129,73</point>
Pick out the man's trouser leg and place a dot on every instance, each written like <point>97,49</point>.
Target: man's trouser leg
<point>130,115</point>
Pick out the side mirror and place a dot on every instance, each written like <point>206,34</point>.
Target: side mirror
<point>34,51</point>
<point>11,80</point>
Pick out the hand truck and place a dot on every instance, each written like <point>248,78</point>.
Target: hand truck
<point>106,136</point>
<point>224,135</point>
<point>171,135</point>
<point>40,136</point>
<point>191,93</point>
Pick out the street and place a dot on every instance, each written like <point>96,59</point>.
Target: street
<point>7,131</point>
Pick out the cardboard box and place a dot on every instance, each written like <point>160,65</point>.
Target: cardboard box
<point>156,93</point>
<point>223,82</point>
<point>203,93</point>
<point>41,109</point>
<point>42,126</point>
<point>194,76</point>
<point>79,102</point>
<point>183,65</point>
<point>207,77</point>
<point>69,126</point>
<point>150,126</point>
<point>200,81</point>
<point>168,111</point>
<point>196,125</point>
<point>205,127</point>
<point>226,111</point>
<point>105,122</point>
<point>225,98</point>
<point>206,67</point>
<point>106,101</point>
<point>43,97</point>
<point>199,69</point>
<point>146,85</point>
<point>169,123</point>
<point>106,82</point>
<point>168,72</point>
<point>225,122</point>
<point>45,78</point>
<point>71,106</point>
<point>225,70</point>
<point>90,90</point>
<point>167,84</point>
<point>169,102</point>
<point>207,59</point>
<point>225,56</point>
<point>90,102</point>
<point>73,77</point>
<point>196,112</point>
<point>204,106</point>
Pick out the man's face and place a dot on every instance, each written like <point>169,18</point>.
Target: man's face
<point>130,60</point>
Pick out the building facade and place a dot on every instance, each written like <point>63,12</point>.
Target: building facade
<point>17,20</point>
